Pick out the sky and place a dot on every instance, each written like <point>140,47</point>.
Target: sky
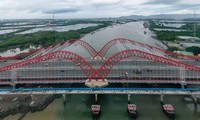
<point>66,9</point>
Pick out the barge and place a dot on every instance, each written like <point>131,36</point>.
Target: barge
<point>132,110</point>
<point>168,109</point>
<point>96,111</point>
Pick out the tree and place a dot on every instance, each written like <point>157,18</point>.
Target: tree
<point>194,49</point>
<point>172,49</point>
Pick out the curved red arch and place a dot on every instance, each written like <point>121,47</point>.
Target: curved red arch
<point>116,58</point>
<point>87,46</point>
<point>111,43</point>
<point>83,64</point>
<point>84,44</point>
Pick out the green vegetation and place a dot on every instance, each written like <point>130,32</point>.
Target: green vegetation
<point>45,38</point>
<point>194,49</point>
<point>172,35</point>
<point>172,49</point>
<point>39,38</point>
<point>158,25</point>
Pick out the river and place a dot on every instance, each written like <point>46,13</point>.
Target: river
<point>77,107</point>
<point>133,31</point>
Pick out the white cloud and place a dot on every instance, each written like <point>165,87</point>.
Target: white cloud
<point>92,8</point>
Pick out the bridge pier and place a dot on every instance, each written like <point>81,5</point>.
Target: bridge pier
<point>161,99</point>
<point>129,98</point>
<point>96,83</point>
<point>125,85</point>
<point>31,98</point>
<point>182,86</point>
<point>13,85</point>
<point>64,98</point>
<point>96,98</point>
<point>195,100</point>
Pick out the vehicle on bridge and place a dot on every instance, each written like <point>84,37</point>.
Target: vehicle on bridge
<point>126,75</point>
<point>137,71</point>
<point>46,64</point>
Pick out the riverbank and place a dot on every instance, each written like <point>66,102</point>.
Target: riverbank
<point>49,113</point>
<point>16,106</point>
<point>46,38</point>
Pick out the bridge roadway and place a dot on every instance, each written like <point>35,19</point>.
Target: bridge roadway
<point>116,80</point>
<point>63,71</point>
<point>69,69</point>
<point>73,73</point>
<point>130,61</point>
<point>143,77</point>
<point>150,91</point>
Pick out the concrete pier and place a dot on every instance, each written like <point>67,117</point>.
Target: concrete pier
<point>96,98</point>
<point>96,83</point>
<point>129,98</point>
<point>182,86</point>
<point>161,99</point>
<point>195,100</point>
<point>64,98</point>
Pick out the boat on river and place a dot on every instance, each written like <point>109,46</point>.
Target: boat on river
<point>96,110</point>
<point>169,110</point>
<point>132,110</point>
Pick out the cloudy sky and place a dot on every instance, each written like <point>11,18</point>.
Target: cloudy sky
<point>93,8</point>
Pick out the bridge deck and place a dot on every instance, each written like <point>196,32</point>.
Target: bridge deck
<point>150,91</point>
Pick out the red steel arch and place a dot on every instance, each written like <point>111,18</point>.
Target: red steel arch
<point>113,42</point>
<point>87,46</point>
<point>116,58</point>
<point>83,64</point>
<point>84,44</point>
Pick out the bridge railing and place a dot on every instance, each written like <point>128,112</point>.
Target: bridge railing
<point>156,91</point>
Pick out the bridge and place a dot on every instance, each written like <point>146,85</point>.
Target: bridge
<point>65,63</point>
<point>146,91</point>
